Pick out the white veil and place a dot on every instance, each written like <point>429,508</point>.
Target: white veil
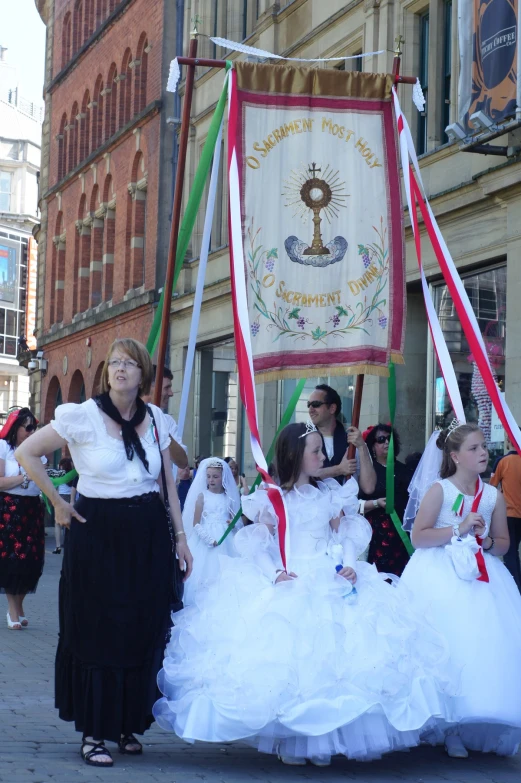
<point>199,485</point>
<point>427,472</point>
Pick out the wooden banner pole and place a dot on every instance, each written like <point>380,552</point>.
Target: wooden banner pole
<point>176,216</point>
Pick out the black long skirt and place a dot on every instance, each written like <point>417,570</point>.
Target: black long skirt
<point>114,596</point>
<point>22,543</point>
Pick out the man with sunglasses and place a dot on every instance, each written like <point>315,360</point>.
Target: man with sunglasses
<point>324,407</point>
<point>178,451</point>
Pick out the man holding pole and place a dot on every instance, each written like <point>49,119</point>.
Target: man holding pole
<point>324,407</point>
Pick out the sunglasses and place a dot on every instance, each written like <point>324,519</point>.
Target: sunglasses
<point>383,439</point>
<point>316,404</point>
<point>30,428</point>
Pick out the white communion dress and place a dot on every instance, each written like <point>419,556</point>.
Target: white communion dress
<point>306,667</point>
<point>217,513</point>
<point>482,624</point>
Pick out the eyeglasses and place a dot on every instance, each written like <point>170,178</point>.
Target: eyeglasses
<point>129,364</point>
<point>30,428</point>
<point>383,439</point>
<point>316,404</point>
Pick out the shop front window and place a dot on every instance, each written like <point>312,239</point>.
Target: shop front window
<point>216,409</point>
<point>487,293</point>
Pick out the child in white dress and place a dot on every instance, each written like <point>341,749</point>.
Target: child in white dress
<point>460,583</point>
<point>293,660</point>
<point>211,504</point>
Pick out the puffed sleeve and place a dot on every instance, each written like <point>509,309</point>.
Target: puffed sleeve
<point>4,448</point>
<point>354,532</point>
<point>72,423</point>
<point>257,542</point>
<point>258,508</point>
<point>163,427</point>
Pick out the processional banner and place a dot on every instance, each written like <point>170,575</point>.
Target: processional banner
<point>321,217</point>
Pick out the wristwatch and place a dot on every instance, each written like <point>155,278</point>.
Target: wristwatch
<point>25,482</point>
<point>375,504</point>
<point>455,530</point>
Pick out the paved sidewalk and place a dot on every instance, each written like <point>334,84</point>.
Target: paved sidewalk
<point>36,747</point>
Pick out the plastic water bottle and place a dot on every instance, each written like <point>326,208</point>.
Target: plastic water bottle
<point>338,555</point>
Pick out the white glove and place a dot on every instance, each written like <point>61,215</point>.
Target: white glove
<point>204,535</point>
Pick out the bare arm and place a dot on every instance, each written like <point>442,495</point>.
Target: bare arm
<point>498,529</point>
<point>183,553</point>
<point>178,454</point>
<point>8,482</point>
<point>423,533</point>
<point>199,505</point>
<point>367,478</point>
<point>29,456</point>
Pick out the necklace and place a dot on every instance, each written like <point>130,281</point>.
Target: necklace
<point>464,491</point>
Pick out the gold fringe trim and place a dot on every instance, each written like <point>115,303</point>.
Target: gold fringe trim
<point>397,358</point>
<point>313,372</point>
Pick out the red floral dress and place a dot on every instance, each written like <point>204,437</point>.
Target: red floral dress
<point>22,539</point>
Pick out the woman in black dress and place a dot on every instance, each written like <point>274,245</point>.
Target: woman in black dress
<point>386,549</point>
<point>21,521</point>
<point>116,585</point>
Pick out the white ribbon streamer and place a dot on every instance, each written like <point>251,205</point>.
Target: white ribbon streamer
<point>407,150</point>
<point>199,289</point>
<point>233,46</point>
<point>418,97</point>
<point>173,76</point>
<point>442,352</point>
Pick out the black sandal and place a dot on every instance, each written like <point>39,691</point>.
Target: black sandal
<point>129,739</point>
<point>98,749</point>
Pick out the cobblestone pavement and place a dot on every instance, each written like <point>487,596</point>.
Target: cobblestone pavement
<point>36,747</point>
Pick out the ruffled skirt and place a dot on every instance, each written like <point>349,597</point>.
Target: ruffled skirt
<point>114,597</point>
<point>304,665</point>
<point>482,624</point>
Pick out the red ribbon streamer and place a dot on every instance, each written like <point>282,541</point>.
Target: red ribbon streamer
<point>478,494</point>
<point>245,377</point>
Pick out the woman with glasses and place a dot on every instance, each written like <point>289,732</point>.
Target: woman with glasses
<point>386,550</point>
<point>116,585</point>
<point>22,534</point>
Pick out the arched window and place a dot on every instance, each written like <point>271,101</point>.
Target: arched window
<point>97,115</point>
<point>82,259</point>
<point>96,249</point>
<point>140,75</point>
<point>109,235</point>
<point>57,291</point>
<point>136,224</point>
<point>88,23</point>
<point>66,38</point>
<point>62,148</point>
<point>77,388</point>
<point>101,12</point>
<point>77,33</point>
<point>53,399</point>
<point>97,379</point>
<point>125,89</point>
<point>111,102</point>
<point>73,138</point>
<point>84,127</point>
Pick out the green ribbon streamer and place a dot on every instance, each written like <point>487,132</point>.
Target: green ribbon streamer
<point>288,413</point>
<point>192,208</point>
<point>389,476</point>
<point>57,482</point>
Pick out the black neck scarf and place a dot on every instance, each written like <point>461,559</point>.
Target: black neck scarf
<point>131,439</point>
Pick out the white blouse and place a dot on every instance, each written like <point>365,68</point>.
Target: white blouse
<point>100,459</point>
<point>12,468</point>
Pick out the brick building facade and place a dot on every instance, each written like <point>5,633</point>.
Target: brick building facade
<point>106,148</point>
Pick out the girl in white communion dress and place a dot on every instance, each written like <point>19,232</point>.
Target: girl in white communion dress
<point>460,531</point>
<point>295,661</point>
<point>211,504</point>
